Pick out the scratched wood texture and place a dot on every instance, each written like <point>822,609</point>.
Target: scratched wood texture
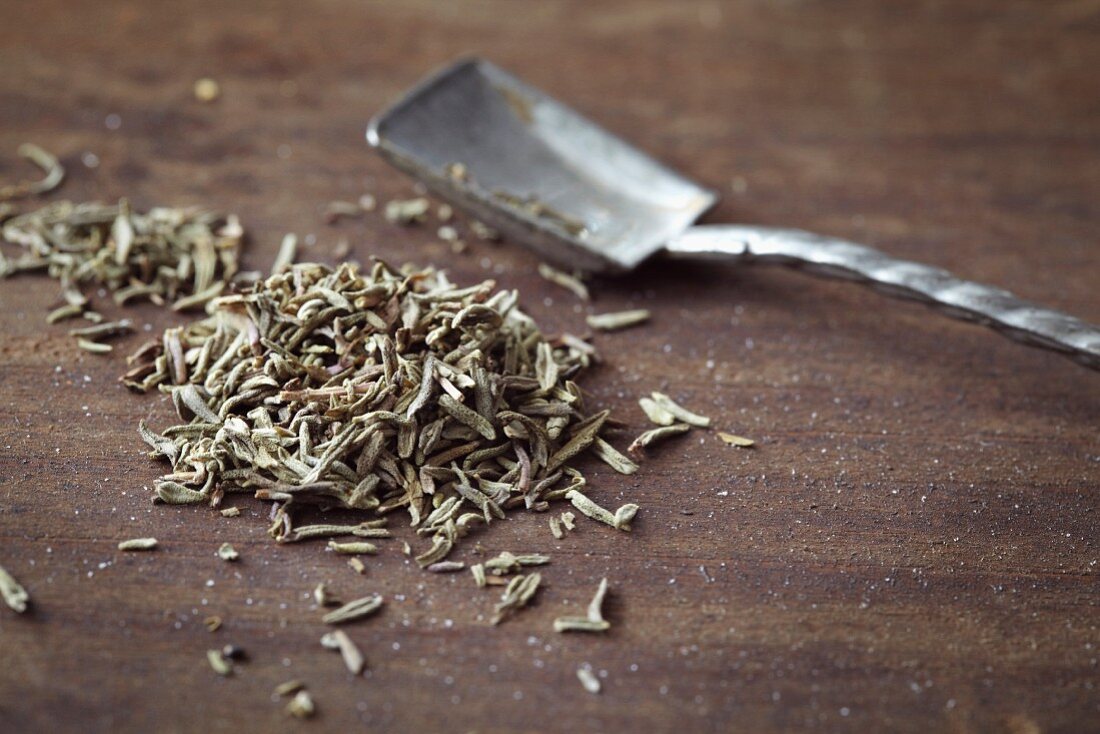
<point>912,546</point>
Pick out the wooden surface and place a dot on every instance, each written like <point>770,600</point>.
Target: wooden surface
<point>911,547</point>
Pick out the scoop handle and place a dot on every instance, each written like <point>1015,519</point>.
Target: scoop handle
<point>834,258</point>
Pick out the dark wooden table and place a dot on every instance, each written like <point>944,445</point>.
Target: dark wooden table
<point>912,546</point>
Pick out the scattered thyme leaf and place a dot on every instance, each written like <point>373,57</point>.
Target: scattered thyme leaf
<point>14,595</point>
<point>588,679</point>
<point>354,610</point>
<point>565,280</point>
<point>138,544</point>
<point>734,440</point>
<point>679,412</point>
<point>617,320</point>
<point>51,167</point>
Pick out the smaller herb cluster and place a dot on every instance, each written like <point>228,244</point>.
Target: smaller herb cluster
<point>177,257</point>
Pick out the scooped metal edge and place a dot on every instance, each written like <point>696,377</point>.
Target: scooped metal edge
<point>549,238</point>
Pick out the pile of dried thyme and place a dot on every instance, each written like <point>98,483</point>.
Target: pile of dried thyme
<point>180,257</point>
<point>376,391</point>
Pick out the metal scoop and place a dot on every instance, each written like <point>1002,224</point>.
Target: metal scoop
<point>546,177</point>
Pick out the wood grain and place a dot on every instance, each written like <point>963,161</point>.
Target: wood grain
<point>912,546</point>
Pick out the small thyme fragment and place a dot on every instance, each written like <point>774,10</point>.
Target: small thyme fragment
<point>227,552</point>
<point>593,621</point>
<point>565,280</point>
<point>337,209</point>
<point>611,456</point>
<point>620,519</point>
<point>301,706</point>
<point>321,596</point>
<point>213,623</point>
<point>407,211</point>
<point>654,435</point>
<point>218,662</point>
<point>354,610</point>
<point>656,413</point>
<point>681,413</point>
<point>138,544</point>
<point>588,679</point>
<point>735,440</point>
<point>354,548</point>
<point>288,688</point>
<point>517,595</point>
<point>507,563</point>
<point>617,320</point>
<point>207,90</point>
<point>353,657</point>
<point>93,346</point>
<point>54,174</point>
<point>231,512</point>
<point>15,596</point>
<point>288,250</point>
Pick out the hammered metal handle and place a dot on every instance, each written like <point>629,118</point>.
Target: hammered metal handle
<point>998,309</point>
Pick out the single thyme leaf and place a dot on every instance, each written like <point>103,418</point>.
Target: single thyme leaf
<point>138,544</point>
<point>353,658</point>
<point>565,280</point>
<point>617,320</point>
<point>588,679</point>
<point>679,412</point>
<point>354,610</point>
<point>734,440</point>
<point>517,595</point>
<point>655,435</point>
<point>54,174</point>
<point>218,662</point>
<point>15,596</point>
<point>593,621</point>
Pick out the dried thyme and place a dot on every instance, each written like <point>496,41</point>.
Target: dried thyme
<point>407,211</point>
<point>339,640</point>
<point>354,610</point>
<point>588,679</point>
<point>617,320</point>
<point>219,663</point>
<point>288,688</point>
<point>656,413</point>
<point>180,257</point>
<point>620,519</point>
<point>207,90</point>
<point>654,435</point>
<point>734,440</point>
<point>593,621</point>
<point>52,169</point>
<point>565,280</point>
<point>15,596</point>
<point>679,412</point>
<point>507,563</point>
<point>353,548</point>
<point>517,595</point>
<point>301,706</point>
<point>378,391</point>
<point>227,552</point>
<point>138,544</point>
